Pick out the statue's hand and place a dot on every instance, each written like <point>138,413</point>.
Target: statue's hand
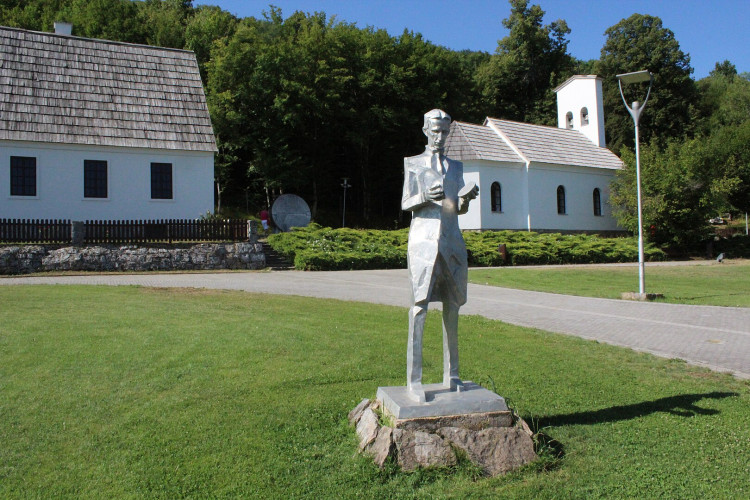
<point>469,192</point>
<point>434,193</point>
<point>472,194</point>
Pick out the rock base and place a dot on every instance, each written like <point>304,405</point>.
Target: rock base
<point>489,439</point>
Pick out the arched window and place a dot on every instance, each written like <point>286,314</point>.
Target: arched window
<point>584,116</point>
<point>560,200</point>
<point>569,120</point>
<point>496,195</point>
<point>597,202</point>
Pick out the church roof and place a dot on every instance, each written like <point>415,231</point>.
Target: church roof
<point>509,141</point>
<point>468,141</point>
<point>66,89</point>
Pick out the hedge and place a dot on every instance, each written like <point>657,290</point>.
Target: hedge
<point>317,248</point>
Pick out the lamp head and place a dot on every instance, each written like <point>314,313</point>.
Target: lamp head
<point>635,77</point>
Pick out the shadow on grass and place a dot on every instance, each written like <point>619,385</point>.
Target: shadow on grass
<point>552,451</point>
<point>683,406</point>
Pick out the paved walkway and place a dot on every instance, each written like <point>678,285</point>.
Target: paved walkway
<point>715,337</point>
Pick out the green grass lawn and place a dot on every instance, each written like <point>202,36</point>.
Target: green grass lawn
<point>725,284</point>
<point>127,392</point>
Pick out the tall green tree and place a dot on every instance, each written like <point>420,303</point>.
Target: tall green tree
<point>641,42</point>
<point>517,82</point>
<point>724,98</point>
<point>204,28</point>
<point>306,101</point>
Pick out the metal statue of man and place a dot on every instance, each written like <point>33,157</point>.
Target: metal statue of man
<point>434,192</point>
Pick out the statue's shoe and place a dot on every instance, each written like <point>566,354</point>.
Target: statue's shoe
<point>417,393</point>
<point>454,384</point>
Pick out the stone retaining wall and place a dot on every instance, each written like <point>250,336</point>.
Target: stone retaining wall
<point>35,258</point>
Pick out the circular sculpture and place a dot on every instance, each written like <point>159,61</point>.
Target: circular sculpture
<point>288,211</point>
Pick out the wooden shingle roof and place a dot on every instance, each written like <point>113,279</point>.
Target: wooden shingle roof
<point>65,89</point>
<point>468,141</point>
<point>542,144</point>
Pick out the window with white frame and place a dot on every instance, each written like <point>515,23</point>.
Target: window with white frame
<point>94,179</point>
<point>597,202</point>
<point>22,176</point>
<point>561,200</point>
<point>161,181</point>
<point>496,197</point>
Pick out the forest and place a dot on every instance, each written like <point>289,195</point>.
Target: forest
<point>301,101</point>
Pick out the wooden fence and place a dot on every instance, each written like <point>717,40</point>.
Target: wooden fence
<point>35,231</point>
<point>124,231</point>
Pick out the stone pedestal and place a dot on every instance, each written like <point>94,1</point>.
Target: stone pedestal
<point>476,421</point>
<point>441,401</point>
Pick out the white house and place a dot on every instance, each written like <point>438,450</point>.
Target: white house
<point>540,178</point>
<point>96,129</point>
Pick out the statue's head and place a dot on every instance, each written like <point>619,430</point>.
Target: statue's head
<point>436,127</point>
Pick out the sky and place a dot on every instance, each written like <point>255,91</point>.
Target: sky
<point>710,31</point>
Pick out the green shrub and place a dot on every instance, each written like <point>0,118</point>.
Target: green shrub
<point>317,248</point>
<point>734,247</point>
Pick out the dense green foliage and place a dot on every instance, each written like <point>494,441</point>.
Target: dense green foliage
<point>318,248</point>
<point>203,394</point>
<point>516,84</point>
<point>301,100</point>
<point>636,43</point>
<point>685,184</point>
<point>715,284</point>
<point>529,248</point>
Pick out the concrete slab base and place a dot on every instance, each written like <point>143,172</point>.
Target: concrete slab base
<point>441,402</point>
<point>641,296</point>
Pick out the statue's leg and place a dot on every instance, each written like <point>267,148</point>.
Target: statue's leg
<point>450,346</point>
<point>417,315</point>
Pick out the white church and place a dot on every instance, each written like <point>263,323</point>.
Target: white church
<point>540,178</point>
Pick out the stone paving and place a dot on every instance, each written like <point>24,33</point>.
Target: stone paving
<point>715,337</point>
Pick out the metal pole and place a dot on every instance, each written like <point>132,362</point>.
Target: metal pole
<point>343,215</point>
<point>344,185</point>
<point>635,112</point>
<point>641,260</point>
<point>746,224</point>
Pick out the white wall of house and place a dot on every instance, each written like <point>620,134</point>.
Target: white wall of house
<point>529,198</point>
<point>512,180</point>
<point>59,183</point>
<point>579,184</point>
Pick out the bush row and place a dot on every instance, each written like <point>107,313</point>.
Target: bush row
<point>316,248</point>
<point>736,246</point>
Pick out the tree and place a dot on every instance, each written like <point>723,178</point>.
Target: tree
<point>684,184</point>
<point>725,69</point>
<point>164,21</point>
<point>640,42</point>
<point>207,26</point>
<point>517,82</point>
<point>724,98</point>
<point>304,101</point>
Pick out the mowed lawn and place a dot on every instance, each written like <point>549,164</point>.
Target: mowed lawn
<point>716,284</point>
<point>127,392</point>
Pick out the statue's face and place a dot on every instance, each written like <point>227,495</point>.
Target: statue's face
<point>437,134</point>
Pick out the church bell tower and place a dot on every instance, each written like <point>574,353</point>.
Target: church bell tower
<point>580,106</point>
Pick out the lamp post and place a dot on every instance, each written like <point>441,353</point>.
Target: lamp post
<point>635,111</point>
<point>344,185</point>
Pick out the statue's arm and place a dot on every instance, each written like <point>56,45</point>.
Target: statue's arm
<point>463,201</point>
<point>413,197</point>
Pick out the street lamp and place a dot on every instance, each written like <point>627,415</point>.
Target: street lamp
<point>344,185</point>
<point>635,112</point>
